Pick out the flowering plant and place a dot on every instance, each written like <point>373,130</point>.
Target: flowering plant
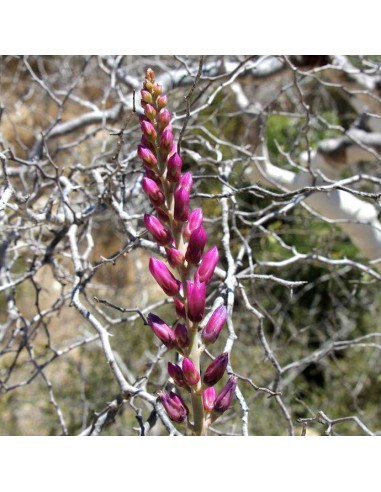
<point>180,231</point>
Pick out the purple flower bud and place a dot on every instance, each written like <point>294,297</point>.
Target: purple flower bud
<point>224,398</point>
<point>175,257</point>
<point>191,374</point>
<point>162,330</point>
<point>147,156</point>
<point>166,140</point>
<point>181,210</point>
<point>162,215</point>
<point>146,96</point>
<point>204,272</point>
<point>161,102</point>
<point>174,165</point>
<point>216,369</point>
<point>180,308</point>
<point>164,277</point>
<point>174,406</point>
<point>196,294</point>
<point>176,374</point>
<point>186,181</point>
<point>150,112</point>
<point>148,129</point>
<point>150,174</point>
<point>161,235</point>
<point>163,118</point>
<point>196,246</point>
<point>181,335</point>
<point>194,221</point>
<point>214,325</point>
<point>153,191</point>
<point>208,397</point>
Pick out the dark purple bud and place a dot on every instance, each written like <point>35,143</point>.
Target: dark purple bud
<point>186,181</point>
<point>180,308</point>
<point>208,397</point>
<point>196,294</point>
<point>150,112</point>
<point>196,246</point>
<point>150,174</point>
<point>204,272</point>
<point>224,398</point>
<point>161,102</point>
<point>216,369</point>
<point>162,215</point>
<point>181,335</point>
<point>174,165</point>
<point>153,191</point>
<point>147,156</point>
<point>194,221</point>
<point>176,374</point>
<point>174,406</point>
<point>164,277</point>
<point>162,330</point>
<point>163,119</point>
<point>175,257</point>
<point>161,235</point>
<point>148,130</point>
<point>181,210</point>
<point>214,325</point>
<point>191,374</point>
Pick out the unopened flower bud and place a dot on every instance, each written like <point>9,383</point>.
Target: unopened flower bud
<point>196,246</point>
<point>216,369</point>
<point>191,374</point>
<point>196,294</point>
<point>161,102</point>
<point>148,130</point>
<point>181,209</point>
<point>163,118</point>
<point>194,221</point>
<point>174,165</point>
<point>161,235</point>
<point>146,96</point>
<point>150,74</point>
<point>175,257</point>
<point>164,277</point>
<point>224,398</point>
<point>186,181</point>
<point>174,406</point>
<point>166,140</point>
<point>208,397</point>
<point>204,272</point>
<point>181,335</point>
<point>180,308</point>
<point>157,89</point>
<point>153,191</point>
<point>162,330</point>
<point>150,112</point>
<point>162,215</point>
<point>147,156</point>
<point>214,325</point>
<point>176,374</point>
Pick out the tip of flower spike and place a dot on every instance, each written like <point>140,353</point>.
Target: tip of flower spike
<point>150,75</point>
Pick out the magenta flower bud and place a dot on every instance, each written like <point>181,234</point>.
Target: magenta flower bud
<point>191,374</point>
<point>150,112</point>
<point>161,102</point>
<point>162,215</point>
<point>153,191</point>
<point>224,398</point>
<point>196,246</point>
<point>180,308</point>
<point>162,330</point>
<point>161,235</point>
<point>186,181</point>
<point>194,221</point>
<point>181,335</point>
<point>166,140</point>
<point>181,211</point>
<point>174,406</point>
<point>204,272</point>
<point>146,96</point>
<point>151,175</point>
<point>176,374</point>
<point>175,257</point>
<point>147,156</point>
<point>163,118</point>
<point>214,325</point>
<point>174,165</point>
<point>148,129</point>
<point>164,277</point>
<point>208,397</point>
<point>196,294</point>
<point>216,369</point>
